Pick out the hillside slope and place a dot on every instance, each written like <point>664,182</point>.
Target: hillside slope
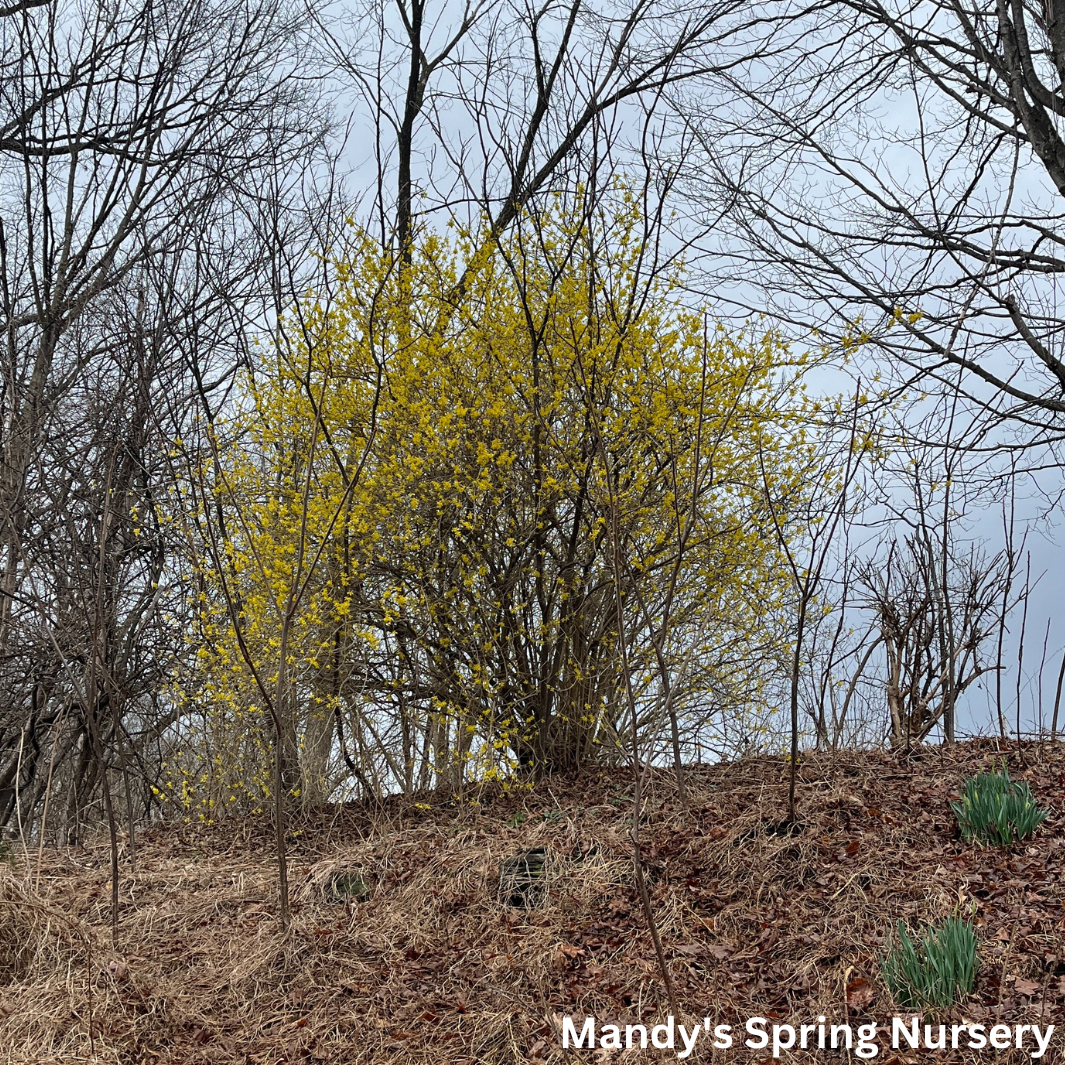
<point>433,966</point>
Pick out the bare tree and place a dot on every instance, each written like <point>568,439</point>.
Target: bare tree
<point>819,500</point>
<point>479,108</point>
<point>136,143</point>
<point>896,178</point>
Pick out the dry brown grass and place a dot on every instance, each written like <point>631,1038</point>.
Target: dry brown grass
<point>433,967</point>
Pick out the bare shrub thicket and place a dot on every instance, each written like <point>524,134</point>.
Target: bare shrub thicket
<point>138,145</point>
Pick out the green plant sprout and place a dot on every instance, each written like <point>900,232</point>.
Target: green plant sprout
<point>936,969</point>
<point>996,809</point>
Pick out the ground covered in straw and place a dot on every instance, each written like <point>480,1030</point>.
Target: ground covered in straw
<point>430,963</point>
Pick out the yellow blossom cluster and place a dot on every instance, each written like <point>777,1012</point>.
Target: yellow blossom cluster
<point>481,466</point>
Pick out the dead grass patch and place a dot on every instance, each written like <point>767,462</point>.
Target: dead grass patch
<point>431,965</point>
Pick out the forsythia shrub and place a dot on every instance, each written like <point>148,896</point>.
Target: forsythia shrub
<point>450,455</point>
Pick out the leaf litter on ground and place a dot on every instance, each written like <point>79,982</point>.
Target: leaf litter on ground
<point>432,966</point>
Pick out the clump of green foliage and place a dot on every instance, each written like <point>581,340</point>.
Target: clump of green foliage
<point>936,969</point>
<point>996,809</point>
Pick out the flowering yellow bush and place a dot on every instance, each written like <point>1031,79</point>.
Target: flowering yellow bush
<point>457,461</point>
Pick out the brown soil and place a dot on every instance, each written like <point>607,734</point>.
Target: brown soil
<point>427,963</point>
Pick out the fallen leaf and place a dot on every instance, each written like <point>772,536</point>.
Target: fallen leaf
<point>859,993</point>
<point>1027,987</point>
